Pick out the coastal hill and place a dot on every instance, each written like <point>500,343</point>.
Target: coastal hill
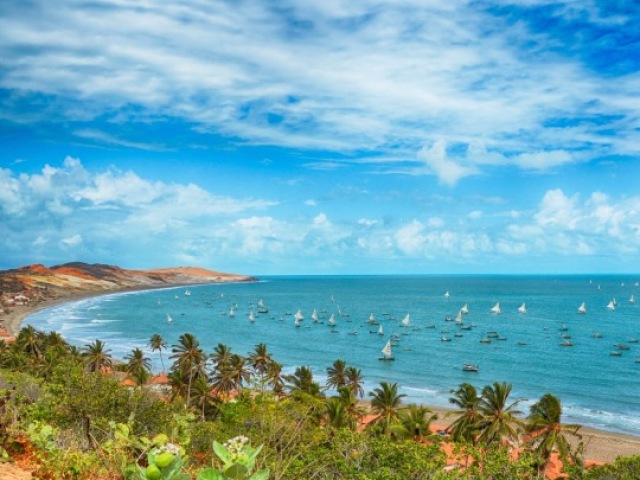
<point>25,289</point>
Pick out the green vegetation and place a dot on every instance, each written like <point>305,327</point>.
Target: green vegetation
<point>67,409</point>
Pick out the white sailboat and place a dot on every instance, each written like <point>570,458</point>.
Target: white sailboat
<point>232,311</point>
<point>296,321</point>
<point>380,330</point>
<point>169,319</point>
<point>611,305</point>
<point>261,307</point>
<point>386,352</point>
<point>314,316</point>
<point>632,299</point>
<point>187,292</point>
<point>522,308</point>
<point>582,308</point>
<point>298,316</point>
<point>446,294</point>
<point>459,317</point>
<point>252,317</point>
<point>465,309</point>
<point>332,321</point>
<point>496,308</point>
<point>372,319</point>
<point>406,321</point>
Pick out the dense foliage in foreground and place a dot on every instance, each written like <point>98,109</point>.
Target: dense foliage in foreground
<point>58,406</point>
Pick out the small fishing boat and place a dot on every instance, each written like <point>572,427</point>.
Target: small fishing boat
<point>596,335</point>
<point>465,309</point>
<point>485,340</point>
<point>611,305</point>
<point>582,309</point>
<point>298,316</point>
<point>314,316</point>
<point>252,317</point>
<point>261,307</point>
<point>380,330</point>
<point>470,367</point>
<point>444,338</point>
<point>522,308</point>
<point>332,321</point>
<point>187,293</point>
<point>566,343</point>
<point>616,353</point>
<point>496,308</point>
<point>387,354</point>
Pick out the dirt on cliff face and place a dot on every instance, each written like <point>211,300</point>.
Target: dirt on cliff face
<point>40,282</point>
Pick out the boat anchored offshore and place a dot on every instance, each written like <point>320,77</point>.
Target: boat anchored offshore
<point>522,309</point>
<point>387,354</point>
<point>470,367</point>
<point>582,308</point>
<point>496,308</point>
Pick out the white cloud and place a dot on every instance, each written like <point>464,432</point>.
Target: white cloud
<point>447,170</point>
<point>72,241</point>
<point>389,77</point>
<point>310,202</point>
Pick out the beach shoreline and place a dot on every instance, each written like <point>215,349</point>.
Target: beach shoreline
<point>599,445</point>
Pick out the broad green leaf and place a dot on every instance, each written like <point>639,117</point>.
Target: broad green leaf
<point>222,452</point>
<point>236,471</point>
<point>210,474</point>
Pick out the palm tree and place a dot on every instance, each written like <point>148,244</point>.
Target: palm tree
<point>238,371</point>
<point>158,343</point>
<point>138,365</point>
<point>189,358</point>
<point>498,419</point>
<point>352,409</point>
<point>547,432</point>
<point>96,357</point>
<point>337,375</point>
<point>464,427</point>
<point>201,394</point>
<point>30,340</point>
<point>259,360</point>
<point>221,356</point>
<point>414,422</point>
<point>336,414</point>
<point>385,402</point>
<point>274,377</point>
<point>354,381</point>
<point>302,382</point>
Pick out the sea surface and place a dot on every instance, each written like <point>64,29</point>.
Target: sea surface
<point>597,388</point>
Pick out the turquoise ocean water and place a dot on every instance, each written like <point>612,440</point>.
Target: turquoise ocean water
<point>597,389</point>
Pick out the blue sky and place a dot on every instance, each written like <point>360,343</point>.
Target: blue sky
<point>322,137</point>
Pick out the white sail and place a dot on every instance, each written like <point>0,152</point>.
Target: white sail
<point>187,292</point>
<point>496,308</point>
<point>446,294</point>
<point>613,300</point>
<point>252,317</point>
<point>459,317</point>
<point>465,309</point>
<point>298,316</point>
<point>522,308</point>
<point>380,330</point>
<point>386,351</point>
<point>582,308</point>
<point>372,318</point>
<point>314,315</point>
<point>260,303</point>
<point>406,321</point>
<point>632,299</point>
<point>611,305</point>
<point>169,319</point>
<point>232,312</point>
<point>296,321</point>
<point>332,320</point>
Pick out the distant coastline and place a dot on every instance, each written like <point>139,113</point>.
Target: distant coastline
<point>27,290</point>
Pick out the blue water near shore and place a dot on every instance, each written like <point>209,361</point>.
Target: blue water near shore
<point>597,389</point>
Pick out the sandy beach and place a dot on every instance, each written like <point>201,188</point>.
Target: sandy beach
<point>600,446</point>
